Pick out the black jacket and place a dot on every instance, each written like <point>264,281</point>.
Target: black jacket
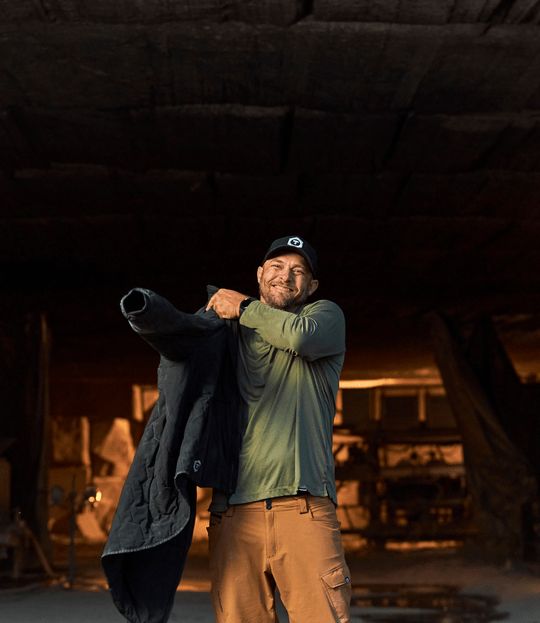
<point>192,439</point>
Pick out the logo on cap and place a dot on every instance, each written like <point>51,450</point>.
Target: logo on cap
<point>295,242</point>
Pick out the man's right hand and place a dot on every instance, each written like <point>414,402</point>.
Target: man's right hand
<point>226,303</point>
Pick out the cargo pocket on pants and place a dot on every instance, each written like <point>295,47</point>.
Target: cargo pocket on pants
<point>337,584</point>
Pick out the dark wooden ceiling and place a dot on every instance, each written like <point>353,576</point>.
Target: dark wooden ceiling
<point>165,143</point>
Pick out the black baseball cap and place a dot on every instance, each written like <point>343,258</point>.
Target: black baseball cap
<point>293,244</point>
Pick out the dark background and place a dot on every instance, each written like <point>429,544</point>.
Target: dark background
<point>166,144</point>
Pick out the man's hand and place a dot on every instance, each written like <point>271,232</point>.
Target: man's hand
<point>226,303</point>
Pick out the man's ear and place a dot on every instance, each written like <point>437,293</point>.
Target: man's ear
<point>313,286</point>
<point>259,274</point>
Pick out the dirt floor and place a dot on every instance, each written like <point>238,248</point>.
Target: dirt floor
<point>419,585</point>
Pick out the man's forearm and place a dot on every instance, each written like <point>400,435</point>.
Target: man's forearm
<point>314,335</point>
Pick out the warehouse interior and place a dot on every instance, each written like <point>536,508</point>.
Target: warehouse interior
<point>165,145</point>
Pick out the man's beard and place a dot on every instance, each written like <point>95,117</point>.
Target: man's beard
<point>281,302</point>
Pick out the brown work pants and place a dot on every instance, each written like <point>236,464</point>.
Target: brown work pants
<point>294,545</point>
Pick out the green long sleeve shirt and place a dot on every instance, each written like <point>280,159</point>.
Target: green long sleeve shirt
<point>289,367</point>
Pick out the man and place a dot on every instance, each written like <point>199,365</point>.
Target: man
<point>246,405</point>
<point>279,527</point>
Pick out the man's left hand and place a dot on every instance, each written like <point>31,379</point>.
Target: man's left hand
<point>226,303</point>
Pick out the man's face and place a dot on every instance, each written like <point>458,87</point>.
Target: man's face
<point>285,282</point>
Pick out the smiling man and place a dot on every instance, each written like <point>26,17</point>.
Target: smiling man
<point>279,527</point>
<point>247,391</point>
<point>285,282</point>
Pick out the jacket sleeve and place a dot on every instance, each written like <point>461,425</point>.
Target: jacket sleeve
<point>171,332</point>
<point>318,330</point>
